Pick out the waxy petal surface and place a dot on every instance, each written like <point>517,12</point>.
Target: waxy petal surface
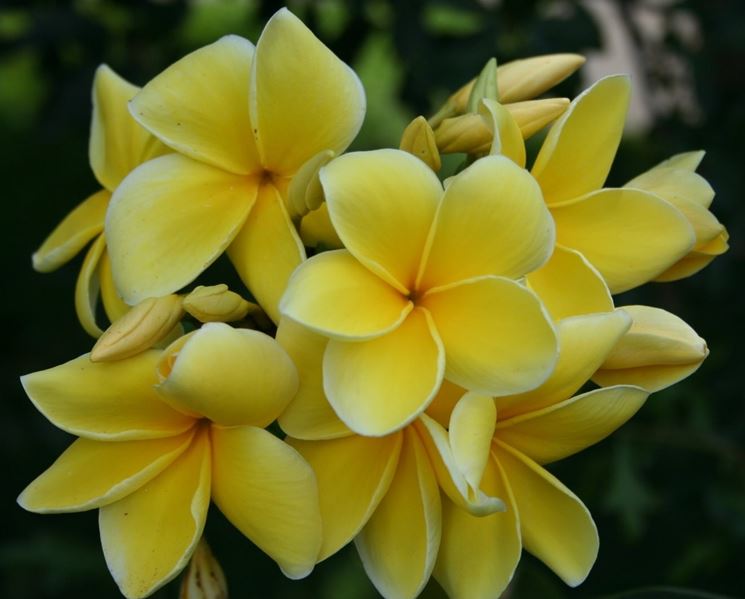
<point>496,335</point>
<point>87,287</point>
<point>303,98</point>
<point>199,106</point>
<point>269,493</point>
<point>471,430</point>
<point>113,304</point>
<point>169,220</point>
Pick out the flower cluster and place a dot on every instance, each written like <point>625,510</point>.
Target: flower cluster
<point>425,363</point>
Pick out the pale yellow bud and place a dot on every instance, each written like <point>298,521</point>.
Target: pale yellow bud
<point>216,303</point>
<point>204,579</point>
<point>139,329</point>
<point>419,139</point>
<point>534,115</point>
<point>305,192</point>
<point>658,350</point>
<point>469,133</point>
<point>528,78</point>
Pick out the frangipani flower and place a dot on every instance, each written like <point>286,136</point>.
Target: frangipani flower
<point>503,443</point>
<point>161,433</point>
<point>243,121</point>
<point>118,144</point>
<point>427,287</point>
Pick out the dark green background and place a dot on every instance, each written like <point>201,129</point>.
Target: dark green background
<point>667,491</point>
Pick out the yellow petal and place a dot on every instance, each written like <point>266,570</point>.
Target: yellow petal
<point>478,555</point>
<point>584,343</point>
<point>118,144</point>
<point>555,525</point>
<point>630,236</point>
<point>304,192</point>
<point>492,221</point>
<point>309,415</point>
<point>696,260</point>
<point>444,402</point>
<point>658,350</point>
<point>569,285</point>
<point>91,474</point>
<point>292,127</point>
<point>87,287</point>
<point>507,138</point>
<point>231,376</point>
<point>578,152</point>
<point>266,250</point>
<point>106,401</point>
<point>73,233</point>
<point>353,475</point>
<point>334,295</point>
<point>379,386</point>
<point>148,537</point>
<point>316,230</point>
<point>382,204</point>
<point>675,178</point>
<point>471,430</point>
<point>529,77</point>
<point>113,304</point>
<point>199,106</point>
<point>399,544</point>
<point>169,220</point>
<point>269,493</point>
<point>566,428</point>
<point>497,336</point>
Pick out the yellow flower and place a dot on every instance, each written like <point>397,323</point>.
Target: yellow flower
<point>161,433</point>
<point>243,121</point>
<point>478,555</point>
<point>427,288</point>
<point>117,145</point>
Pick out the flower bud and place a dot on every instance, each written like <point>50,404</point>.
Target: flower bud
<point>216,303</point>
<point>469,133</point>
<point>139,329</point>
<point>204,578</point>
<point>484,87</point>
<point>305,192</point>
<point>534,115</point>
<point>419,139</point>
<point>657,351</point>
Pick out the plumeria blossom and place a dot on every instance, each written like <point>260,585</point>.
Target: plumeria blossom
<point>162,432</point>
<point>427,288</point>
<point>117,145</point>
<point>243,120</point>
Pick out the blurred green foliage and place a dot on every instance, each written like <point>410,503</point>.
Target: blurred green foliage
<point>667,491</point>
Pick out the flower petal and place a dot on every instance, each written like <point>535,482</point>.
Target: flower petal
<point>478,555</point>
<point>309,415</point>
<point>399,544</point>
<point>496,334</point>
<point>266,250</point>
<point>555,525</point>
<point>113,304</point>
<point>269,493</point>
<point>70,236</point>
<point>91,474</point>
<point>199,106</point>
<point>353,475</point>
<point>584,342</point>
<point>118,144</point>
<point>382,204</point>
<point>169,220</point>
<point>696,260</point>
<point>569,285</point>
<point>230,376</point>
<point>379,386</point>
<point>579,149</point>
<point>292,127</point>
<point>492,221</point>
<point>149,536</point>
<point>563,429</point>
<point>334,295</point>
<point>87,287</point>
<point>630,236</point>
<point>471,430</point>
<point>106,401</point>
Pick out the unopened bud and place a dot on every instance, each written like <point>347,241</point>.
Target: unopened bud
<point>484,87</point>
<point>528,78</point>
<point>204,579</point>
<point>469,133</point>
<point>419,139</point>
<point>305,192</point>
<point>139,329</point>
<point>658,350</point>
<point>217,303</point>
<point>534,115</point>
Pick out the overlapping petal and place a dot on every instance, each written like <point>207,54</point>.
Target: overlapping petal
<point>697,259</point>
<point>303,98</point>
<point>87,287</point>
<point>269,493</point>
<point>479,321</point>
<point>113,304</point>
<point>382,204</point>
<point>471,430</point>
<point>353,475</point>
<point>381,385</point>
<point>149,536</point>
<point>492,221</point>
<point>199,106</point>
<point>105,401</point>
<point>231,376</point>
<point>169,220</point>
